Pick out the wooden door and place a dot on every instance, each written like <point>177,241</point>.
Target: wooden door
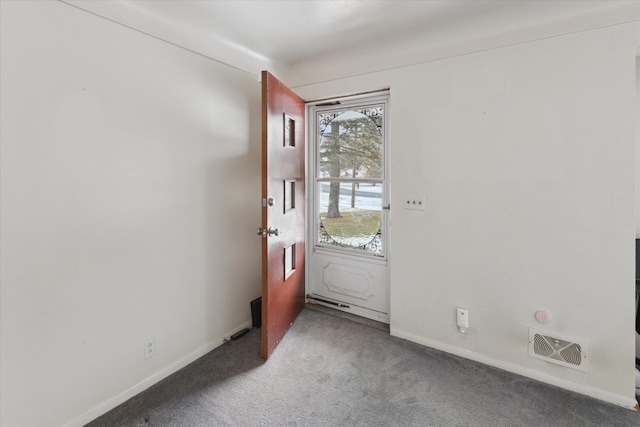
<point>283,210</point>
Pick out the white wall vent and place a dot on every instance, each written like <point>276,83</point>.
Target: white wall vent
<point>555,349</point>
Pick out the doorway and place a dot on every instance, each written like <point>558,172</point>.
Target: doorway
<point>348,222</point>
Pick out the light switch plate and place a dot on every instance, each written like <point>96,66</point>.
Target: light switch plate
<point>414,203</point>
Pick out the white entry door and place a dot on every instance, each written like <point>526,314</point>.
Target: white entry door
<point>349,206</point>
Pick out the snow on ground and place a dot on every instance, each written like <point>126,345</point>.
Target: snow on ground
<point>368,197</point>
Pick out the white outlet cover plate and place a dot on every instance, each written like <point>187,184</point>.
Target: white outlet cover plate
<point>150,347</point>
<point>463,317</point>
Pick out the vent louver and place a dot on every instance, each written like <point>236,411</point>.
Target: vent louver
<point>554,349</point>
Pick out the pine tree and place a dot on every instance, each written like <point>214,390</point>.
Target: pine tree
<point>349,145</point>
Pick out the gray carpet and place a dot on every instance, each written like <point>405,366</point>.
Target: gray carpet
<point>329,371</point>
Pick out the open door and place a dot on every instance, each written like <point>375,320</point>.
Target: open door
<point>283,210</point>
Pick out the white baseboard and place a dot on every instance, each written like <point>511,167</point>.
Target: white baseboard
<point>108,405</point>
<point>616,399</point>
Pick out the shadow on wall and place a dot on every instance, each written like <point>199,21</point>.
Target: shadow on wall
<point>232,207</point>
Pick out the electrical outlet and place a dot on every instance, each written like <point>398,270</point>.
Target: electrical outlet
<point>150,347</point>
<point>414,203</point>
<point>463,319</point>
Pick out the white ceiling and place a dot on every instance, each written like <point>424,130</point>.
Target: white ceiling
<point>292,32</point>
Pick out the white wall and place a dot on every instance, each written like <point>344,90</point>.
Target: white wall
<point>525,155</point>
<point>130,183</point>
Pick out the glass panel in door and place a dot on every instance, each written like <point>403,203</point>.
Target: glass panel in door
<point>350,179</point>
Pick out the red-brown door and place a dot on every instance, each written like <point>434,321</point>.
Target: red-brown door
<point>283,210</point>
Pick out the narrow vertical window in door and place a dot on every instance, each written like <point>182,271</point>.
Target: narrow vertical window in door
<point>289,195</point>
<point>289,131</point>
<point>350,217</point>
